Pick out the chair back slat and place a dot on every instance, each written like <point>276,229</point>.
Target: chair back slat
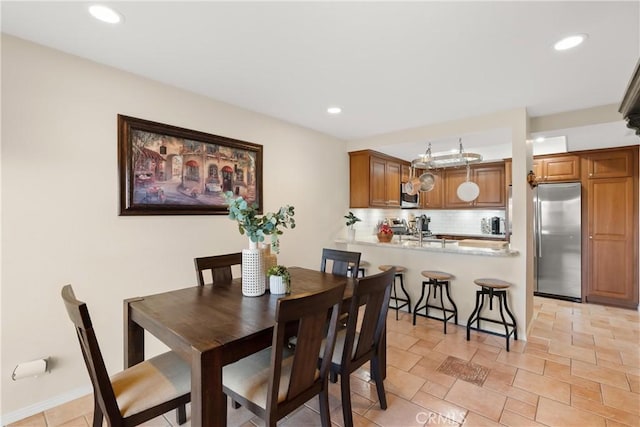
<point>342,261</point>
<point>79,315</point>
<point>219,265</point>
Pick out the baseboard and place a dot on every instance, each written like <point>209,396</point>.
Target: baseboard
<point>44,405</point>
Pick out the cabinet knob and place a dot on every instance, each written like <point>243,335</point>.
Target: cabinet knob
<point>591,237</point>
<point>590,174</point>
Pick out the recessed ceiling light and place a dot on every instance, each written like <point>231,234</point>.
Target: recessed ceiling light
<point>334,110</point>
<point>570,42</point>
<point>105,14</point>
<point>539,139</point>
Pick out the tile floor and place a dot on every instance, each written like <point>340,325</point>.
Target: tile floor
<point>580,367</point>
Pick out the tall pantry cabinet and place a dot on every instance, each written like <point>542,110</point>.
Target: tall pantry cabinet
<point>610,238</point>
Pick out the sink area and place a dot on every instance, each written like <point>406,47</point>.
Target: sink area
<point>410,240</point>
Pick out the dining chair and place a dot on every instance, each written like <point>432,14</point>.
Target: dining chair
<point>355,348</point>
<point>137,394</point>
<point>219,265</point>
<point>343,261</point>
<point>274,382</point>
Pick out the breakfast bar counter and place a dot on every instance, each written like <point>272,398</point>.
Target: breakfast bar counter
<point>465,263</point>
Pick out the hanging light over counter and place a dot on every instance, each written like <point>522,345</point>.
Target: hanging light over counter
<point>431,161</point>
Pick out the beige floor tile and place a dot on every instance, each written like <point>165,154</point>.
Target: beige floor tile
<point>563,373</point>
<point>625,369</point>
<point>610,355</point>
<point>461,350</point>
<point>401,341</point>
<point>622,345</point>
<point>522,361</point>
<point>621,399</point>
<point>423,347</point>
<point>69,411</point>
<point>400,412</point>
<point>520,408</point>
<point>358,420</point>
<point>548,356</point>
<point>586,393</point>
<point>600,374</point>
<point>554,413</point>
<point>440,406</point>
<point>36,420</point>
<point>435,389</point>
<point>402,359</point>
<point>630,358</point>
<point>612,423</point>
<point>513,419</point>
<point>582,340</point>
<point>477,399</point>
<point>302,417</point>
<point>365,389</point>
<point>543,386</point>
<point>573,352</point>
<point>82,422</point>
<point>475,420</point>
<point>401,383</point>
<point>491,383</point>
<point>595,408</point>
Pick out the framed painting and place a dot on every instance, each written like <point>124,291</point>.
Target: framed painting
<point>168,170</point>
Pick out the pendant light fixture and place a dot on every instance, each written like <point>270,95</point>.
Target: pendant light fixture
<point>431,161</point>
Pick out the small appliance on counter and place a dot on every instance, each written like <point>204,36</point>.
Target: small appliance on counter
<point>424,221</point>
<point>497,225</point>
<point>398,225</point>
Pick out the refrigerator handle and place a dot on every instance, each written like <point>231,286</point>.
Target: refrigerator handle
<point>539,226</point>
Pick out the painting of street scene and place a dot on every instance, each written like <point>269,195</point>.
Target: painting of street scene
<point>171,171</point>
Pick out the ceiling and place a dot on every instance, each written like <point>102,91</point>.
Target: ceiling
<point>389,65</point>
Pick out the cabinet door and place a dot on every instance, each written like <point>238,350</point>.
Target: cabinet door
<point>377,185</point>
<point>610,164</point>
<point>490,179</point>
<point>562,168</point>
<point>453,179</point>
<point>406,171</point>
<point>508,167</point>
<point>537,169</point>
<point>433,199</point>
<point>392,180</point>
<point>610,268</point>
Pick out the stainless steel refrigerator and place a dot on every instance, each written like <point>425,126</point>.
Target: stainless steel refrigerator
<point>557,235</point>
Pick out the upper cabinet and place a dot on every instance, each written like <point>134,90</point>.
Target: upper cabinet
<point>610,164</point>
<point>433,199</point>
<point>374,180</point>
<point>490,178</point>
<point>557,168</point>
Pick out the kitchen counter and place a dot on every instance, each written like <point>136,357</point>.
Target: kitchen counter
<point>429,245</point>
<point>472,236</point>
<point>465,263</point>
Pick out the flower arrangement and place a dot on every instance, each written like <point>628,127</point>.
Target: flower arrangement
<point>257,227</point>
<point>385,233</point>
<point>351,219</point>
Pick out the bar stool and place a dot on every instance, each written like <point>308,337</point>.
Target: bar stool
<point>399,301</point>
<point>436,280</point>
<point>362,270</point>
<point>497,288</point>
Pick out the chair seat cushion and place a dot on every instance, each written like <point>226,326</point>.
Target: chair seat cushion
<point>336,359</point>
<point>249,377</point>
<point>150,383</point>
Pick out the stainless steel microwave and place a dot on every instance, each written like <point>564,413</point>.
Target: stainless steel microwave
<point>408,201</point>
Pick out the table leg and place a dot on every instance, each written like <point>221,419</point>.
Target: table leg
<point>133,337</point>
<point>208,402</point>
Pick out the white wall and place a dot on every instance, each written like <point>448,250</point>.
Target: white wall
<point>60,220</point>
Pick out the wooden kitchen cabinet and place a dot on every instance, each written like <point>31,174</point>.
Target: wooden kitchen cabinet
<point>611,231</point>
<point>560,168</point>
<point>433,199</point>
<point>406,173</point>
<point>490,178</point>
<point>374,180</point>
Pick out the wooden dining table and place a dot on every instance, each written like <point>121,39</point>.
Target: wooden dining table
<point>211,326</point>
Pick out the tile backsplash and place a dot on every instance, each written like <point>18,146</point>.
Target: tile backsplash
<point>442,220</point>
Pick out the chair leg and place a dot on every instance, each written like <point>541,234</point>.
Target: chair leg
<point>97,414</point>
<point>325,419</point>
<point>181,414</point>
<point>345,391</point>
<point>333,376</point>
<point>377,377</point>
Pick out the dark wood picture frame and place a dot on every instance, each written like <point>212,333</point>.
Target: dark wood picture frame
<point>168,170</point>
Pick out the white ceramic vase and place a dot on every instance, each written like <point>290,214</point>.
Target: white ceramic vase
<point>253,277</point>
